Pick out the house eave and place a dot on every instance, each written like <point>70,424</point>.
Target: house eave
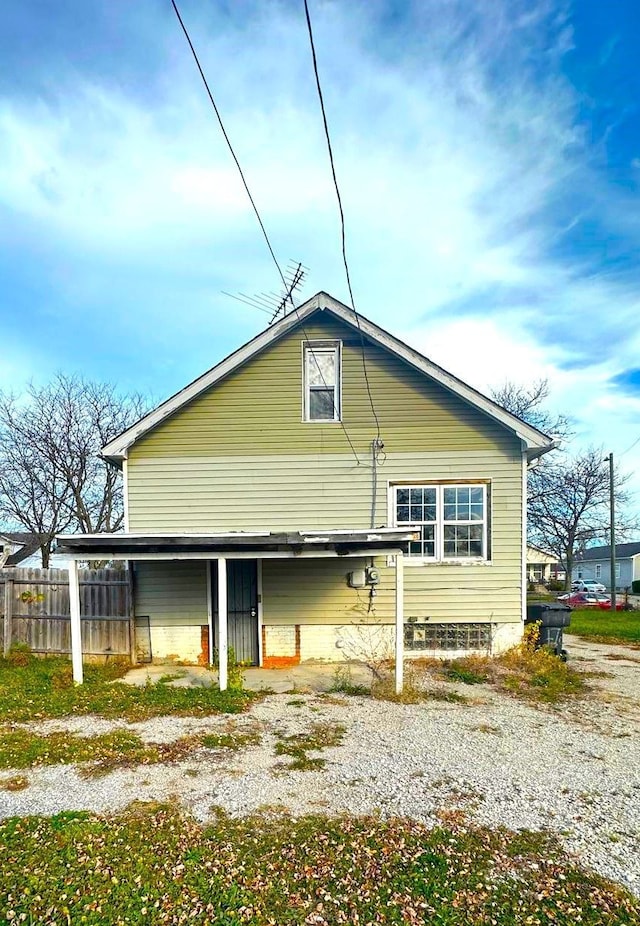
<point>240,544</point>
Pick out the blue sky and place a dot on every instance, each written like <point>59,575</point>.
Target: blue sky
<point>488,154</point>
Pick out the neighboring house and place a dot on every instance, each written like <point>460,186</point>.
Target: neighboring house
<point>19,548</point>
<point>23,549</point>
<point>268,470</point>
<point>595,563</point>
<point>541,566</point>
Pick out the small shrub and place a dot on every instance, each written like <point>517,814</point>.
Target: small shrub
<point>62,678</point>
<point>343,682</point>
<point>19,654</point>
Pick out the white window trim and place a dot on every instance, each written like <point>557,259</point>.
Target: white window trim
<point>439,485</point>
<point>335,345</point>
<point>598,570</point>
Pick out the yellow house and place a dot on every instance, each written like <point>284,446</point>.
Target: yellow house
<point>324,489</point>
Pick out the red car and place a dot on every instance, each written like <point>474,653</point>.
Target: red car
<point>606,605</point>
<point>589,600</point>
<point>580,600</point>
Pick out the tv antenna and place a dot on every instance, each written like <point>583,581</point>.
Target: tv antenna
<point>277,304</point>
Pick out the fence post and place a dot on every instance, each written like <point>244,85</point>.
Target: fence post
<point>132,613</point>
<point>8,614</point>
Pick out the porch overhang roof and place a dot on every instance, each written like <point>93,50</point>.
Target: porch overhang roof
<point>237,544</point>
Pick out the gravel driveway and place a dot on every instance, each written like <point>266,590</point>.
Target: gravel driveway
<point>575,769</point>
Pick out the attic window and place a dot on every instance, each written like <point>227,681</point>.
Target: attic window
<point>322,381</point>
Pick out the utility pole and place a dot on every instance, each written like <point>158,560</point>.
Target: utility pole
<point>612,533</point>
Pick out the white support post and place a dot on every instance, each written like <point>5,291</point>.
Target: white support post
<point>76,628</point>
<point>399,622</point>
<point>223,648</point>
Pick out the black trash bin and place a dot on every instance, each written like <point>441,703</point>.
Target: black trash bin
<point>553,617</point>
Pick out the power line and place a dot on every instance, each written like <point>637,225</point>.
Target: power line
<point>287,288</point>
<point>228,141</point>
<point>636,441</point>
<point>342,223</point>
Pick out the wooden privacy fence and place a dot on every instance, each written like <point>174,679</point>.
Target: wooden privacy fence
<point>34,604</point>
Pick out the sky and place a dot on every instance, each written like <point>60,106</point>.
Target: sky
<point>488,155</point>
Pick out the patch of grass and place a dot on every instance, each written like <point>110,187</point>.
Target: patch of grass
<point>298,746</point>
<point>461,673</point>
<point>44,688</point>
<point>15,783</point>
<point>606,626</point>
<point>23,749</point>
<point>231,739</point>
<point>151,865</point>
<point>98,755</point>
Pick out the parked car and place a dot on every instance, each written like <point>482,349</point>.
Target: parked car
<point>606,604</point>
<point>588,585</point>
<point>582,600</point>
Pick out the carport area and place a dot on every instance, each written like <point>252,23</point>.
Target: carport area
<point>223,550</point>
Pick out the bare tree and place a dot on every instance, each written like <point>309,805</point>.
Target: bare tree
<point>567,496</point>
<point>568,505</point>
<point>51,475</point>
<point>528,403</point>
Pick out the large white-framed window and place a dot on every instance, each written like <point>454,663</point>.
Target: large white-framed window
<point>453,520</point>
<point>321,381</point>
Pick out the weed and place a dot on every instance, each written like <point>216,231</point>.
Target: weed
<point>296,702</point>
<point>343,682</point>
<point>460,673</point>
<point>15,783</point>
<point>488,728</point>
<point>299,745</point>
<point>231,739</point>
<point>19,654</point>
<point>523,671</point>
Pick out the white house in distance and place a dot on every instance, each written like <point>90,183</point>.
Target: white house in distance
<point>541,565</point>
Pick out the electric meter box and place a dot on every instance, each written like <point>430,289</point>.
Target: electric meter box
<point>372,576</point>
<point>357,578</point>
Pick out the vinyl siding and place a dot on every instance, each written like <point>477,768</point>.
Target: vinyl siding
<point>240,458</point>
<point>258,408</point>
<point>172,592</point>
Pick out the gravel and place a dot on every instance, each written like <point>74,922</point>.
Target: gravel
<point>575,770</point>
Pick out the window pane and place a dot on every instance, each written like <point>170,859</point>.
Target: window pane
<point>402,513</point>
<point>428,540</point>
<point>463,540</point>
<point>416,513</point>
<point>321,368</point>
<point>402,496</point>
<point>449,512</point>
<point>476,496</point>
<point>416,496</point>
<point>321,405</point>
<point>429,512</point>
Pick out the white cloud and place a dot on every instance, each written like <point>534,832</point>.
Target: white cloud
<point>458,148</point>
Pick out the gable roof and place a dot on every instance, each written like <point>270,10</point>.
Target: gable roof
<point>623,551</point>
<point>27,544</point>
<point>535,441</point>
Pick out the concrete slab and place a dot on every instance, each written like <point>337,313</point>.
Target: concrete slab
<point>306,677</point>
